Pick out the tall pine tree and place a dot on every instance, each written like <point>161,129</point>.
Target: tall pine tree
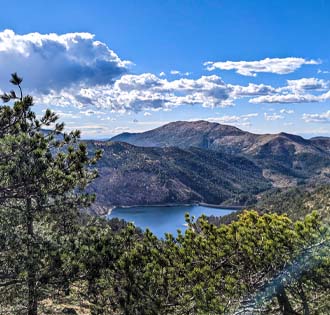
<point>43,174</point>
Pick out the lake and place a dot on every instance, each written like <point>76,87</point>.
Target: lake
<point>162,220</point>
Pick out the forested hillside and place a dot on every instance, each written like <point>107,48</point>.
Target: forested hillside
<point>298,202</point>
<point>130,175</point>
<point>286,160</point>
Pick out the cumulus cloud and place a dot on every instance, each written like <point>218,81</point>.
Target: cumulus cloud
<point>146,92</point>
<point>180,73</point>
<point>237,120</point>
<point>287,111</point>
<point>272,117</point>
<point>252,90</point>
<point>317,118</point>
<point>296,91</point>
<point>52,61</point>
<point>267,65</point>
<point>307,84</point>
<point>286,98</point>
<point>298,96</point>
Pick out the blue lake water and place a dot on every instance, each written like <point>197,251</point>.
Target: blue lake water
<point>162,220</point>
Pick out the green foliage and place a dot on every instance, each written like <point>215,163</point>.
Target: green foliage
<point>298,202</point>
<point>262,259</point>
<point>41,190</point>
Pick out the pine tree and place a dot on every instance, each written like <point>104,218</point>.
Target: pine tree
<point>43,174</point>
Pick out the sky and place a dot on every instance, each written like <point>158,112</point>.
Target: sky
<point>108,67</point>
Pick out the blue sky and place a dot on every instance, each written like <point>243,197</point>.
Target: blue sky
<point>113,66</point>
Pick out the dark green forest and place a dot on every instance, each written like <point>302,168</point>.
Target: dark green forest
<point>57,259</point>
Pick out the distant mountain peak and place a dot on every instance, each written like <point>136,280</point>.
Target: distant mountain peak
<point>225,138</point>
<point>184,134</point>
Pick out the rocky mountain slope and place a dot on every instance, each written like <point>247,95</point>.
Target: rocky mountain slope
<point>321,142</point>
<point>131,175</point>
<point>286,160</point>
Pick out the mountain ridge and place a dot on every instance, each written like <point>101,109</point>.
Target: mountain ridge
<point>194,162</point>
<point>207,128</point>
<point>287,159</point>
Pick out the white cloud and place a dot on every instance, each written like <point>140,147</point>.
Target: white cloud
<point>323,71</point>
<point>108,118</point>
<point>297,96</point>
<point>52,61</point>
<point>162,74</point>
<point>146,114</point>
<point>317,118</point>
<point>267,65</point>
<point>287,111</point>
<point>286,98</point>
<point>307,84</point>
<point>272,117</point>
<point>237,120</point>
<point>145,92</point>
<point>177,72</point>
<point>252,90</point>
<point>295,92</point>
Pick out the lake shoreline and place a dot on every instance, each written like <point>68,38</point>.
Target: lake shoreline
<point>167,205</point>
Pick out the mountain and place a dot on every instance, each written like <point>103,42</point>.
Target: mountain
<point>132,175</point>
<point>286,159</point>
<point>201,134</point>
<point>208,135</point>
<point>194,162</point>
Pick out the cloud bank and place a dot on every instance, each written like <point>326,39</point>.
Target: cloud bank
<point>296,91</point>
<point>237,120</point>
<point>317,118</point>
<point>267,65</point>
<point>146,92</point>
<point>52,61</point>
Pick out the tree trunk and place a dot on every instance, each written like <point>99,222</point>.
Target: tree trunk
<point>304,300</point>
<point>31,267</point>
<point>284,302</point>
